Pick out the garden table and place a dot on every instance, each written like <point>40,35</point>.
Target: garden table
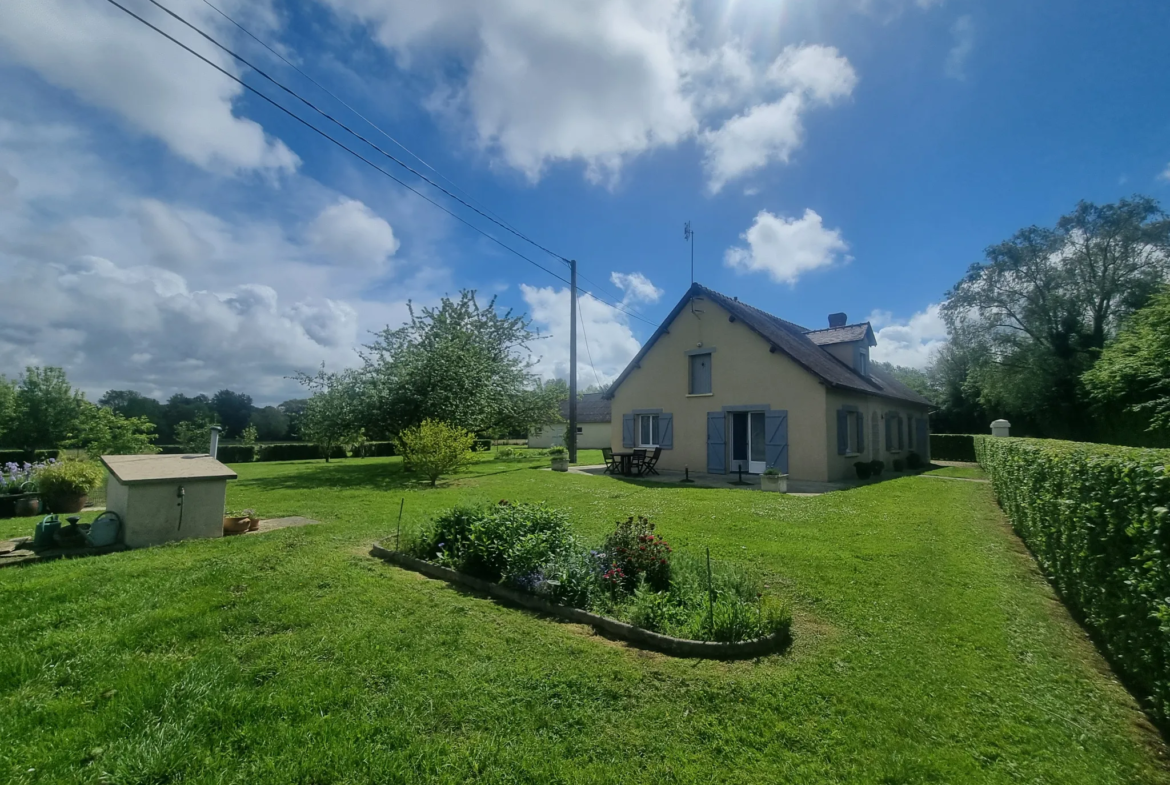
<point>626,459</point>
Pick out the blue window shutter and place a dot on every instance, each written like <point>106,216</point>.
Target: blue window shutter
<point>842,431</point>
<point>923,438</point>
<point>666,431</point>
<point>776,440</point>
<point>627,430</point>
<point>861,432</point>
<point>889,432</point>
<point>716,443</point>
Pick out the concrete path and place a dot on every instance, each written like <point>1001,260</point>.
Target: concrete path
<point>704,480</point>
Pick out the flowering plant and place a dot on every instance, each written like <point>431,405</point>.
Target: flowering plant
<point>638,552</point>
<point>21,477</point>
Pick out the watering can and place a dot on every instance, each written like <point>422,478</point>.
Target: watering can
<point>104,529</point>
<point>45,535</point>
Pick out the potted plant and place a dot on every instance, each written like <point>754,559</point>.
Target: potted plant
<point>899,465</point>
<point>864,469</point>
<point>238,522</point>
<point>63,485</point>
<point>773,480</point>
<point>560,459</point>
<point>875,468</point>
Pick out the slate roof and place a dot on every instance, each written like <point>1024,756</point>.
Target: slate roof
<point>794,341</point>
<point>591,407</point>
<point>850,332</point>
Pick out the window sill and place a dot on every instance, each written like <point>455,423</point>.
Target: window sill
<point>851,455</point>
<point>700,395</point>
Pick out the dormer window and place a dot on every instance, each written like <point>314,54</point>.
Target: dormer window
<point>862,363</point>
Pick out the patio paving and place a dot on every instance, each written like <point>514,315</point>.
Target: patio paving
<point>704,480</point>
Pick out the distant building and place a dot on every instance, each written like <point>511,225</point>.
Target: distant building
<point>593,426</point>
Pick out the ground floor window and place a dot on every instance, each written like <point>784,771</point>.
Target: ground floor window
<point>852,431</point>
<point>647,430</point>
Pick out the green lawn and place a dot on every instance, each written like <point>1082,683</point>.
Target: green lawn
<point>962,472</point>
<point>926,649</point>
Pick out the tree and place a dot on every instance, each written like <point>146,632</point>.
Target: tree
<point>47,409</point>
<point>1041,307</point>
<point>461,363</point>
<point>333,415</point>
<point>271,424</point>
<point>234,411</point>
<point>194,436</point>
<point>129,403</point>
<point>103,431</point>
<point>914,378</point>
<point>180,408</point>
<point>434,448</point>
<point>1134,370</point>
<point>7,406</point>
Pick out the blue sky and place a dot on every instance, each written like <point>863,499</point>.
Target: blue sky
<point>162,230</point>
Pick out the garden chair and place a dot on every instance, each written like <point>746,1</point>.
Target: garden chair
<point>611,464</point>
<point>649,464</point>
<point>637,461</point>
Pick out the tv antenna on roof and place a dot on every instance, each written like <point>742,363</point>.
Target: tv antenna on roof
<point>689,235</point>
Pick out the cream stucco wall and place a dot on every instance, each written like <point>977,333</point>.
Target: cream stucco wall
<point>875,409</point>
<point>592,436</point>
<point>150,511</point>
<point>744,372</point>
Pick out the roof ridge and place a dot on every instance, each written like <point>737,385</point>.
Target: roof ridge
<point>840,327</point>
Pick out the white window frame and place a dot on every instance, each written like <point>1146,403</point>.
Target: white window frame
<point>655,426</point>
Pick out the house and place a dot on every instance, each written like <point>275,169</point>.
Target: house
<point>721,385</point>
<point>593,427</point>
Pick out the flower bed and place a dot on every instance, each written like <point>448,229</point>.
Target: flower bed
<point>633,580</point>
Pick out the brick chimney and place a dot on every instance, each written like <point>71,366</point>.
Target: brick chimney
<point>838,319</point>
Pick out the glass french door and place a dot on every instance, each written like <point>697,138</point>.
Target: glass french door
<point>748,442</point>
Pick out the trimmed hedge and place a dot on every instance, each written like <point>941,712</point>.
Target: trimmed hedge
<point>20,456</point>
<point>375,450</point>
<point>297,451</point>
<point>952,447</point>
<point>236,453</point>
<point>1095,517</point>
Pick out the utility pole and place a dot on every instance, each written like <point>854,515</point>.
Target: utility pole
<point>572,445</point>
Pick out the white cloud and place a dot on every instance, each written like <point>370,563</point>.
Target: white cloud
<point>911,343</point>
<point>962,44</point>
<point>109,60</point>
<point>349,233</point>
<point>606,336</point>
<point>1165,173</point>
<point>785,248</point>
<point>636,287</point>
<point>820,72</point>
<point>771,132</point>
<point>602,81</point>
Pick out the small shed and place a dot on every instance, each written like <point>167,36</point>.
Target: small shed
<point>167,497</point>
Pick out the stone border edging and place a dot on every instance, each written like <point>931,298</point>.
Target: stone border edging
<point>678,647</point>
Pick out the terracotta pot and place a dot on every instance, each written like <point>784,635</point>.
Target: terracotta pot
<point>60,504</point>
<point>235,525</point>
<point>27,505</point>
<point>254,524</point>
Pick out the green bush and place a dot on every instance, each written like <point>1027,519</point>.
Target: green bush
<point>899,465</point>
<point>69,478</point>
<point>876,467</point>
<point>914,461</point>
<point>236,453</point>
<point>26,456</point>
<point>952,447</point>
<point>1095,516</point>
<point>434,448</point>
<point>296,451</point>
<point>864,469</point>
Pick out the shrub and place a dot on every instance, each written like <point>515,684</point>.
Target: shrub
<point>875,467</point>
<point>914,461</point>
<point>1095,516</point>
<point>236,453</point>
<point>297,451</point>
<point>639,554</point>
<point>509,543</point>
<point>68,478</point>
<point>505,453</point>
<point>373,450</point>
<point>28,456</point>
<point>952,447</point>
<point>558,453</point>
<point>864,469</point>
<point>435,448</point>
<point>899,465</point>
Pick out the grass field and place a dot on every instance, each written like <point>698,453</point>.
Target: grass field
<point>961,472</point>
<point>926,649</point>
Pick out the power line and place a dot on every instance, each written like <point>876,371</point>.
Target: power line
<point>351,151</point>
<point>317,130</point>
<point>588,352</point>
<point>341,101</point>
<point>349,130</point>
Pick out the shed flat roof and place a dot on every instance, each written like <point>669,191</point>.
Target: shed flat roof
<point>130,469</point>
